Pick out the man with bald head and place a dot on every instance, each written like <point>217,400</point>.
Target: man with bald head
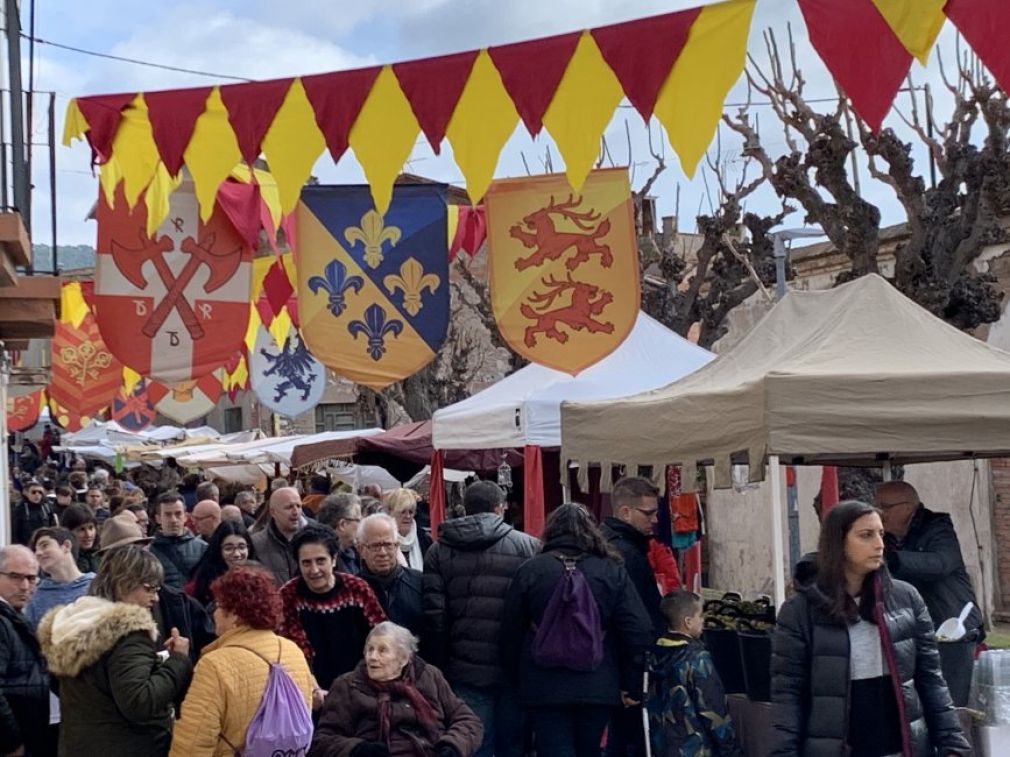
<point>273,540</point>
<point>206,518</point>
<point>24,682</point>
<point>231,512</point>
<point>922,549</point>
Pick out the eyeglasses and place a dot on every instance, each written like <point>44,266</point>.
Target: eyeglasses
<point>352,520</point>
<point>649,512</point>
<point>36,491</point>
<point>19,577</point>
<point>151,588</point>
<point>381,546</point>
<point>230,548</point>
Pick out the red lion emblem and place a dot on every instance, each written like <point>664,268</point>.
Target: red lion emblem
<point>541,235</point>
<point>587,300</point>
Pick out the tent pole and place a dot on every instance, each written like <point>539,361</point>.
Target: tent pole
<point>778,551</point>
<point>885,472</point>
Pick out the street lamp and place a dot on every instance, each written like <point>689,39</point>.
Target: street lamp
<point>779,239</point>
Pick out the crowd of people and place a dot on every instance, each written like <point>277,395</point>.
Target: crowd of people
<point>166,618</point>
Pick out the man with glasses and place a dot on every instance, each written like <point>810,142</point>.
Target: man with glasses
<point>398,588</point>
<point>24,682</point>
<point>206,518</point>
<point>922,548</point>
<point>634,503</point>
<point>32,513</point>
<point>342,513</point>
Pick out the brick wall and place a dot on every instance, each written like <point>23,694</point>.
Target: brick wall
<point>1001,532</point>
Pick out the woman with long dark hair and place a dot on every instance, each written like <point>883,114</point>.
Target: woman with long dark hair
<point>569,700</point>
<point>855,669</point>
<point>229,546</point>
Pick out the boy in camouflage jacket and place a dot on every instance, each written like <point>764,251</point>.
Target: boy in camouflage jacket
<point>686,702</point>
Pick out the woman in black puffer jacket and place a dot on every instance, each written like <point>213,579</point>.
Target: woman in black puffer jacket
<point>855,669</point>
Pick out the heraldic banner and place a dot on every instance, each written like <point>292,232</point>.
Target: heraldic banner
<point>373,290</point>
<point>172,306</point>
<point>563,267</point>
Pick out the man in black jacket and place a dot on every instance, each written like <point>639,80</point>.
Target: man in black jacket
<point>31,513</point>
<point>635,510</point>
<point>24,681</point>
<point>467,573</point>
<point>923,549</point>
<point>398,588</point>
<point>174,546</point>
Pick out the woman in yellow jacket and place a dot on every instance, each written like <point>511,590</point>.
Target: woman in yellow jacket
<point>228,683</point>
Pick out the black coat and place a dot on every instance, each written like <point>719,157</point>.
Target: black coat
<point>401,598</point>
<point>466,575</point>
<point>626,625</point>
<point>27,518</point>
<point>178,555</point>
<point>633,546</point>
<point>930,559</point>
<point>176,609</point>
<point>810,678</point>
<point>24,686</point>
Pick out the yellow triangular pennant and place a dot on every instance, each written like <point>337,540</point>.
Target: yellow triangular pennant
<point>130,379</point>
<point>280,327</point>
<point>253,328</point>
<point>74,123</point>
<point>260,266</point>
<point>482,123</point>
<point>212,153</point>
<point>690,101</point>
<point>135,149</point>
<point>292,145</point>
<point>157,197</point>
<point>383,136</point>
<point>582,107</point>
<point>915,22</point>
<point>109,176</point>
<point>73,308</point>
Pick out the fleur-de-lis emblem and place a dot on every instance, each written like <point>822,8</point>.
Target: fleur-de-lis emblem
<point>412,281</point>
<point>337,284</point>
<point>375,327</point>
<point>84,361</point>
<point>372,234</point>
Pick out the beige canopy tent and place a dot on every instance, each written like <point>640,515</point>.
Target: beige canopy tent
<point>856,375</point>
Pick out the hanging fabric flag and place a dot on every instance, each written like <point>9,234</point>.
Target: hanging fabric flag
<point>563,267</point>
<point>186,401</point>
<point>23,411</point>
<point>69,420</point>
<point>286,379</point>
<point>85,374</point>
<point>373,294</point>
<point>172,306</point>
<point>132,408</point>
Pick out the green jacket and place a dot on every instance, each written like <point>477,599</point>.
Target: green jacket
<point>115,693</point>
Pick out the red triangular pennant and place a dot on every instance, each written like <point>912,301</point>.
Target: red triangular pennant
<point>265,310</point>
<point>983,23</point>
<point>433,87</point>
<point>642,52</point>
<point>531,72</point>
<point>277,287</point>
<point>173,115</point>
<point>251,110</point>
<point>102,113</point>
<point>471,231</point>
<point>337,99</point>
<point>861,51</point>
<point>241,203</point>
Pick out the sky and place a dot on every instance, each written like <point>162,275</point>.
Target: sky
<point>260,39</point>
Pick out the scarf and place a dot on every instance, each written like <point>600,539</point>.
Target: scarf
<point>404,687</point>
<point>411,548</point>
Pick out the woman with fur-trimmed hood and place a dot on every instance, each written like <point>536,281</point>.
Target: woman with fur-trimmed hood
<point>116,693</point>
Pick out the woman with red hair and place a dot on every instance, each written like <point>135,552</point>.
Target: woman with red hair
<point>229,681</point>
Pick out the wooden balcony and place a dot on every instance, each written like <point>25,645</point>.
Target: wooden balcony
<point>29,305</point>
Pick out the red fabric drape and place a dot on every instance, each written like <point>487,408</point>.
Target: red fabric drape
<point>436,492</point>
<point>829,489</point>
<point>692,567</point>
<point>533,490</point>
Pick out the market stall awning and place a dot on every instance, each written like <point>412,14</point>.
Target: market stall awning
<point>525,407</point>
<point>280,450</point>
<point>858,374</point>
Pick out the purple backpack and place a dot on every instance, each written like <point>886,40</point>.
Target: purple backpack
<point>570,634</point>
<point>282,724</point>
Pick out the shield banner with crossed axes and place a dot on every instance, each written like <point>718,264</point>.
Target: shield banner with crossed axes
<point>172,306</point>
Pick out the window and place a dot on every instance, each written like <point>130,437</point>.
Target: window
<point>340,416</point>
<point>233,420</point>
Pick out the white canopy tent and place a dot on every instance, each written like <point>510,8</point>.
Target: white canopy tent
<point>278,450</point>
<point>856,375</point>
<point>525,407</point>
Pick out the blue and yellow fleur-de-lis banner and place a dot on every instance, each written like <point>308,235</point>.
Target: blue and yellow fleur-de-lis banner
<point>373,290</point>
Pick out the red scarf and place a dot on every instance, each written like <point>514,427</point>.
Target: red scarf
<point>404,687</point>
